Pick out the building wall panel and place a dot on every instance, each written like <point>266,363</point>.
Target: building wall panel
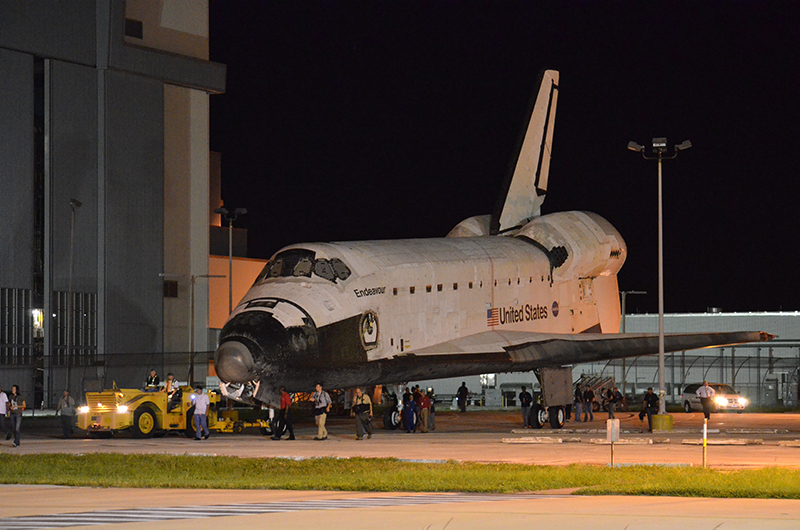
<point>16,169</point>
<point>73,162</point>
<point>134,213</point>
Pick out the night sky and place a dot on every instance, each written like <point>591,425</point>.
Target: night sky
<point>379,120</point>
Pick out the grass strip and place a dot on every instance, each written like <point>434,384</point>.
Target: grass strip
<point>363,474</point>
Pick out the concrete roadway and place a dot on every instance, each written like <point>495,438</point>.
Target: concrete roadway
<point>475,436</point>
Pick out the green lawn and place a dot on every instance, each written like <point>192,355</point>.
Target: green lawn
<point>361,474</point>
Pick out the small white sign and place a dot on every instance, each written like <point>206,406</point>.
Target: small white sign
<point>612,430</point>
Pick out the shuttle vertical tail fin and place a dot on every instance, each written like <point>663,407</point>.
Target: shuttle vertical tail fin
<point>526,183</point>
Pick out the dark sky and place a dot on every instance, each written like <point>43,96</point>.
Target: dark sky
<point>372,120</point>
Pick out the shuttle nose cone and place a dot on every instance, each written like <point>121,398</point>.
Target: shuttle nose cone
<point>234,363</point>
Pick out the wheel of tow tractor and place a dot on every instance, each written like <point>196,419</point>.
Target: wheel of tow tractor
<point>391,418</point>
<point>557,417</point>
<point>144,423</point>
<point>538,416</point>
<point>189,430</point>
<point>238,427</point>
<point>687,407</point>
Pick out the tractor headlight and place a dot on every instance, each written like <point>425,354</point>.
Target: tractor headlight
<point>122,409</point>
<point>84,409</point>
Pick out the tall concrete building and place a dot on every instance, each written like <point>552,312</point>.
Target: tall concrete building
<point>104,185</point>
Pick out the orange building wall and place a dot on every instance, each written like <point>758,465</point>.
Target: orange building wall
<point>245,271</point>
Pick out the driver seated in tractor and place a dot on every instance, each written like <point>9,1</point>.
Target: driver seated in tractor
<point>174,393</point>
<point>151,385</point>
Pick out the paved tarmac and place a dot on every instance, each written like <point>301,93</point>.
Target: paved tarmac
<point>483,436</point>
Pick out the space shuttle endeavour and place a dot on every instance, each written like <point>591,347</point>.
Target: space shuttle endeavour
<point>511,291</point>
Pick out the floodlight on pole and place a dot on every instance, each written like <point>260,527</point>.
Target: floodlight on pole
<point>659,148</point>
<point>230,217</point>
<point>633,146</point>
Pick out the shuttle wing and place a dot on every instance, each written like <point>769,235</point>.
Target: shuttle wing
<point>506,351</point>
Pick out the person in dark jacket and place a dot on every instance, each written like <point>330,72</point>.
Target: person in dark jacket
<point>588,400</point>
<point>525,400</point>
<point>649,407</point>
<point>410,412</point>
<point>461,395</point>
<point>611,401</point>
<point>578,402</point>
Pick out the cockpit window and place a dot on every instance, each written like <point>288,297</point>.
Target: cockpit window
<point>302,263</point>
<point>303,267</point>
<point>323,269</point>
<point>340,269</point>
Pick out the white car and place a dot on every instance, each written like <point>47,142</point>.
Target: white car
<point>726,398</point>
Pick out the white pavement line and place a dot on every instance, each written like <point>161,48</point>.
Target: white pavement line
<point>532,440</point>
<point>623,441</point>
<point>729,441</point>
<point>789,443</point>
<point>757,431</point>
<point>105,517</point>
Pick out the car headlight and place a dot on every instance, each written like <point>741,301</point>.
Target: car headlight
<point>743,401</point>
<point>122,409</point>
<point>721,400</point>
<point>84,409</point>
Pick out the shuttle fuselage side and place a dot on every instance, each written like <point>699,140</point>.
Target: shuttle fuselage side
<point>395,298</point>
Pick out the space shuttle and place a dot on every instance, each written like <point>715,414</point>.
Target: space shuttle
<point>507,292</point>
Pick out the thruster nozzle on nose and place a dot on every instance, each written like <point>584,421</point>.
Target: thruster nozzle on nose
<point>234,363</point>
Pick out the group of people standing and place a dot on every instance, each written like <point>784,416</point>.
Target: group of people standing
<point>419,410</point>
<point>361,411</point>
<point>583,402</point>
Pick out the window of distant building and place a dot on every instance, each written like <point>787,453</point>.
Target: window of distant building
<point>170,289</point>
<point>134,28</point>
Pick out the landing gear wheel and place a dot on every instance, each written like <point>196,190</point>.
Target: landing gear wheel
<point>538,416</point>
<point>267,431</point>
<point>557,417</point>
<point>144,423</point>
<point>391,418</point>
<point>687,407</point>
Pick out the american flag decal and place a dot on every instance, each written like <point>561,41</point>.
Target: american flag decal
<point>492,317</point>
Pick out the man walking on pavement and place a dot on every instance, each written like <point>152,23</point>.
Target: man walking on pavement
<point>201,403</point>
<point>284,422</point>
<point>66,406</point>
<point>706,394</point>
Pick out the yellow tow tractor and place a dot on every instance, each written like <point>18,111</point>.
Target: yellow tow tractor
<point>147,414</point>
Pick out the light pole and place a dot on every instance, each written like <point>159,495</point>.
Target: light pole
<point>230,217</point>
<point>624,295</point>
<point>74,204</point>
<point>191,324</point>
<point>659,148</point>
